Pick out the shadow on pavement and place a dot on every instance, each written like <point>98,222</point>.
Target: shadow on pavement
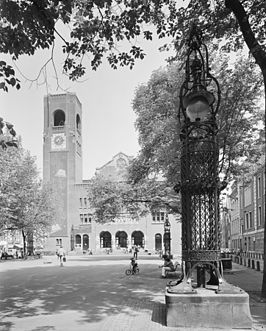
<point>96,292</point>
<point>159,313</point>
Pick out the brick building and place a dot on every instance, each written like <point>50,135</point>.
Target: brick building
<point>244,219</point>
<point>76,227</point>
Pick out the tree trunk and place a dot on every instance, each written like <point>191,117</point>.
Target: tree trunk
<point>260,57</point>
<point>24,244</point>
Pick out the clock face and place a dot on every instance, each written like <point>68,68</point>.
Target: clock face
<point>58,141</point>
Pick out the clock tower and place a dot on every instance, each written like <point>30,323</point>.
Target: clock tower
<point>62,162</point>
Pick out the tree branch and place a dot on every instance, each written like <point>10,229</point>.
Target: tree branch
<point>255,48</point>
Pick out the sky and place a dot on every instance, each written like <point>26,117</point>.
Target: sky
<point>106,96</point>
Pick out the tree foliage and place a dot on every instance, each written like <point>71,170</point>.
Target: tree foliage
<point>97,28</point>
<point>156,106</point>
<point>155,173</point>
<point>25,204</point>
<point>101,27</point>
<point>7,135</point>
<point>112,200</point>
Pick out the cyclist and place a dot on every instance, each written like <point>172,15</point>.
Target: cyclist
<point>134,265</point>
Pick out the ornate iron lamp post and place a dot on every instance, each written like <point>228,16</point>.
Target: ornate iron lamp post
<point>200,188</point>
<point>167,237</point>
<point>199,102</point>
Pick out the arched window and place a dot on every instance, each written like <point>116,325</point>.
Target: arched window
<point>121,239</point>
<point>105,239</point>
<point>85,242</point>
<point>137,238</point>
<point>78,123</point>
<point>158,241</point>
<point>59,118</point>
<point>78,240</point>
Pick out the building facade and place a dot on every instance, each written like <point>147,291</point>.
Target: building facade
<point>243,217</point>
<point>76,227</point>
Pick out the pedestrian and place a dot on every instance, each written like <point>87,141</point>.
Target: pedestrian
<point>61,253</point>
<point>167,266</point>
<point>136,250</point>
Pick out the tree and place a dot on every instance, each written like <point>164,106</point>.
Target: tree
<point>114,199</point>
<point>236,23</point>
<point>100,27</point>
<point>25,204</point>
<point>156,106</point>
<point>7,134</point>
<point>97,28</point>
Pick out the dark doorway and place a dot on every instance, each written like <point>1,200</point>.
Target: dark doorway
<point>138,238</point>
<point>85,242</point>
<point>105,239</point>
<point>158,241</point>
<point>78,240</point>
<point>121,239</point>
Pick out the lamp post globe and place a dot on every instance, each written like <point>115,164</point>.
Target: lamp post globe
<point>197,105</point>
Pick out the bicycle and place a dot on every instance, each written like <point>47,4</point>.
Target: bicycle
<point>132,271</point>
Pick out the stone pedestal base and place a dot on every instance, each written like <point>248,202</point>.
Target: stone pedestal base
<point>207,308</point>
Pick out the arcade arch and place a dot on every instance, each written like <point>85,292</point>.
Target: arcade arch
<point>137,238</point>
<point>78,241</point>
<point>85,242</point>
<point>121,239</point>
<point>105,239</point>
<point>158,241</point>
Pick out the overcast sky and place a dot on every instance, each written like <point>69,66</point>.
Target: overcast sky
<point>106,96</point>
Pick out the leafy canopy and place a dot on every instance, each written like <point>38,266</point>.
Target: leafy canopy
<point>155,173</point>
<point>25,205</point>
<point>112,199</point>
<point>113,28</point>
<point>156,106</point>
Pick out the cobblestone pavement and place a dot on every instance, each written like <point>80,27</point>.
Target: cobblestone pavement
<point>93,294</point>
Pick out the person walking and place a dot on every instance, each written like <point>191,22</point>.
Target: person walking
<point>61,253</point>
<point>136,250</point>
